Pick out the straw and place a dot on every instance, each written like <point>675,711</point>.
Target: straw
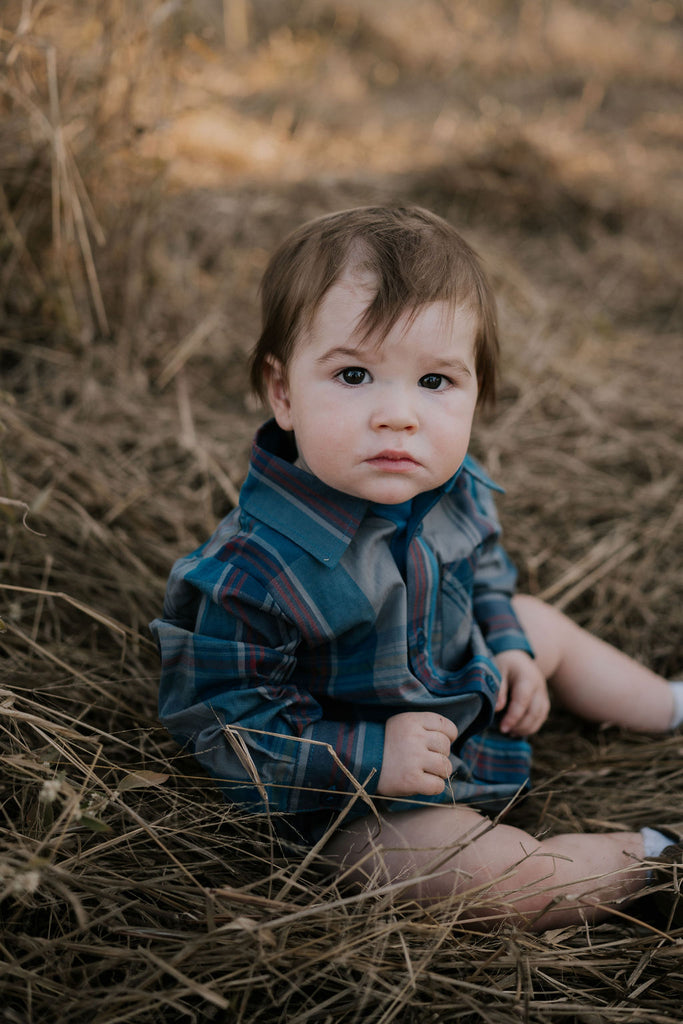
<point>133,242</point>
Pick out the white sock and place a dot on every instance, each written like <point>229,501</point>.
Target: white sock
<point>677,717</point>
<point>654,842</point>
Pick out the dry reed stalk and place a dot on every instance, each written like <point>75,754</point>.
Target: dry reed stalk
<point>73,219</point>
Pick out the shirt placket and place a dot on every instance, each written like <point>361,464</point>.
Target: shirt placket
<point>422,576</point>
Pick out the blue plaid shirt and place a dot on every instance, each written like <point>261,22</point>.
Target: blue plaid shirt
<point>295,631</point>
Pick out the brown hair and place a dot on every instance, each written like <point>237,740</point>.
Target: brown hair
<point>415,258</point>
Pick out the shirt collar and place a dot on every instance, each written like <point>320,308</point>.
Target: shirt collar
<point>472,467</point>
<point>297,504</point>
<point>320,519</point>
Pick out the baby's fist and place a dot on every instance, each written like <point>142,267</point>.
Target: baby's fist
<point>416,759</point>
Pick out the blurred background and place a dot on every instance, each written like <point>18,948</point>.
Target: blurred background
<point>152,154</point>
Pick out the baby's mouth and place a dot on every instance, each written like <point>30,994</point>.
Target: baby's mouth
<point>392,459</point>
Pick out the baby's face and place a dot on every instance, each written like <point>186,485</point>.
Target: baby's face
<point>384,421</point>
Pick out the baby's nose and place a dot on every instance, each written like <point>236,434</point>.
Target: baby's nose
<point>394,412</point>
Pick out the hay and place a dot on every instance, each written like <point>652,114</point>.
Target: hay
<point>130,892</point>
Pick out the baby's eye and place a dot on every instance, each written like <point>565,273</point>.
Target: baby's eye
<point>433,381</point>
<point>354,375</point>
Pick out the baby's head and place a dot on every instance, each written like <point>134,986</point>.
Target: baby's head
<point>412,257</point>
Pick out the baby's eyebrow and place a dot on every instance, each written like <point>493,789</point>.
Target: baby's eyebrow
<point>340,352</point>
<point>451,366</point>
<point>437,365</point>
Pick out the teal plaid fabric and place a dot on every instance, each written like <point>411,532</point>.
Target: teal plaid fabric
<point>294,632</point>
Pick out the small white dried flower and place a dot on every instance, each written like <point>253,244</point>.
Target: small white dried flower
<point>25,882</point>
<point>50,790</point>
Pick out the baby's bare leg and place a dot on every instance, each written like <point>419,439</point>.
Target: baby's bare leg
<point>591,678</point>
<point>489,873</point>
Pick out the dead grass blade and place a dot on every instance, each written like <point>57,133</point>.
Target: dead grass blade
<point>145,173</point>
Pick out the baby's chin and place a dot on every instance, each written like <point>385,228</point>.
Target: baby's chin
<point>383,490</point>
<point>388,492</point>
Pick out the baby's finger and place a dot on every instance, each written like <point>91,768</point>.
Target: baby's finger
<point>438,742</point>
<point>517,708</point>
<point>502,695</point>
<point>541,710</point>
<point>434,722</point>
<point>534,716</point>
<point>437,764</point>
<point>430,785</point>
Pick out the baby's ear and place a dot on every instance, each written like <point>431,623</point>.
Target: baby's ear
<point>277,390</point>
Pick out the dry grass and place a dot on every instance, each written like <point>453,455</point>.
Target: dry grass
<point>144,176</point>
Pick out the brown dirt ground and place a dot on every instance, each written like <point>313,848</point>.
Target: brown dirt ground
<point>151,155</point>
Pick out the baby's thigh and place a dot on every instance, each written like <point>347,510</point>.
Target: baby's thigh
<point>424,854</point>
<point>550,632</point>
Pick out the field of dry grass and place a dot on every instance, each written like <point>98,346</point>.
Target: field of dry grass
<point>151,155</point>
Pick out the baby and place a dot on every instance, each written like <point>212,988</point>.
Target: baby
<point>347,653</point>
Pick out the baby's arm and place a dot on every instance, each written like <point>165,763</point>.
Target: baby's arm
<point>416,749</point>
<point>232,692</point>
<point>523,690</point>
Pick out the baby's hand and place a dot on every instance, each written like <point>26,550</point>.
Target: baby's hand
<point>416,749</point>
<point>524,691</point>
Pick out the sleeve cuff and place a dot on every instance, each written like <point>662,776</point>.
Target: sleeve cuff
<point>342,760</point>
<point>512,641</point>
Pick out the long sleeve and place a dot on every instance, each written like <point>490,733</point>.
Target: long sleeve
<point>229,691</point>
<point>494,586</point>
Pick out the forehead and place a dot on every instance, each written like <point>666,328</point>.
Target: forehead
<point>347,300</point>
<point>342,314</point>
